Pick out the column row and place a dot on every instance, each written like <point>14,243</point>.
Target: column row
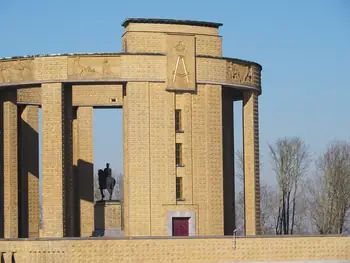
<point>67,135</point>
<point>67,166</point>
<point>19,169</point>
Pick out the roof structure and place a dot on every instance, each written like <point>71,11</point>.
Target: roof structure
<point>170,21</point>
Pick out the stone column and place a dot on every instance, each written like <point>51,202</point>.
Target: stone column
<point>251,163</point>
<point>76,194</point>
<point>86,170</point>
<point>53,120</point>
<point>1,167</point>
<point>29,198</point>
<point>10,148</point>
<point>228,162</point>
<point>68,163</point>
<point>137,164</point>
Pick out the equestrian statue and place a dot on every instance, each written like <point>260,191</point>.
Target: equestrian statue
<point>106,181</point>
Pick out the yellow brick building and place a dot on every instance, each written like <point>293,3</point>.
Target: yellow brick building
<point>177,92</point>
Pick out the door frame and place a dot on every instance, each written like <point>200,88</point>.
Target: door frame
<point>192,229</point>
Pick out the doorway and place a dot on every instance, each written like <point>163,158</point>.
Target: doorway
<point>180,226</point>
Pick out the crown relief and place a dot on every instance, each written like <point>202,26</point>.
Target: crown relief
<point>180,47</point>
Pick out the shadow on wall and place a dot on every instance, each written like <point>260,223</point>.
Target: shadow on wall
<point>28,163</point>
<point>99,213</point>
<point>86,180</point>
<point>1,173</point>
<point>83,189</point>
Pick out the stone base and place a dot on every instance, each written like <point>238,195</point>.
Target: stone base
<point>108,233</point>
<point>108,218</point>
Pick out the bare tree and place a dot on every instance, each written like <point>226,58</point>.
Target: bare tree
<point>239,213</point>
<point>267,201</point>
<point>329,190</point>
<point>239,192</point>
<point>240,167</point>
<point>290,159</point>
<point>268,208</point>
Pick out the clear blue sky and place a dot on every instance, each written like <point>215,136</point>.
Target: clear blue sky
<point>303,46</point>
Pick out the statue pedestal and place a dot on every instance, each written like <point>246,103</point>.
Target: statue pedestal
<point>108,215</point>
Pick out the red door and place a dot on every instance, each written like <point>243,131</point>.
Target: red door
<point>180,226</point>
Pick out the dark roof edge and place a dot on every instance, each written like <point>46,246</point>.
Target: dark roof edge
<point>170,21</point>
<point>81,54</point>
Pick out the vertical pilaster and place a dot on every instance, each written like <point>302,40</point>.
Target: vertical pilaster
<point>138,160</point>
<point>10,148</point>
<point>68,163</point>
<point>52,159</point>
<point>183,102</point>
<point>29,197</point>
<point>1,166</point>
<point>162,155</point>
<point>76,194</point>
<point>207,158</point>
<point>228,162</point>
<point>251,163</point>
<point>125,207</point>
<point>86,170</point>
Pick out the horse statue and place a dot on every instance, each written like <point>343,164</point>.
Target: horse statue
<point>106,181</point>
<point>110,184</point>
<point>102,182</point>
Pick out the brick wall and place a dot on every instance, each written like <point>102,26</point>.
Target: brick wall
<point>86,169</point>
<point>138,219</point>
<point>153,42</point>
<point>172,29</point>
<point>179,250</point>
<point>207,158</point>
<point>30,95</point>
<point>52,158</point>
<point>108,215</point>
<point>97,95</point>
<point>162,154</point>
<point>251,163</point>
<point>1,168</point>
<point>184,103</point>
<point>10,132</point>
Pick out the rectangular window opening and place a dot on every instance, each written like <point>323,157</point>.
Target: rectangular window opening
<point>178,121</point>
<point>179,155</point>
<point>179,188</point>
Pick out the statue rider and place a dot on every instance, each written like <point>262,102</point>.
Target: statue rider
<point>110,181</point>
<point>106,181</point>
<point>107,171</point>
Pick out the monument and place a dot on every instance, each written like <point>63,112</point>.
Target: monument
<point>107,212</point>
<point>178,165</point>
<point>106,181</point>
<point>177,92</point>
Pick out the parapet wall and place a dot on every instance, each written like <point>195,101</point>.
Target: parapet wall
<point>205,249</point>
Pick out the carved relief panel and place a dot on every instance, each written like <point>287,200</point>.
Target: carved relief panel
<point>16,71</point>
<point>244,74</point>
<point>91,67</point>
<point>181,73</point>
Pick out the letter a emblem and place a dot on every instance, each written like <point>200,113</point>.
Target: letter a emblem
<point>180,67</point>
